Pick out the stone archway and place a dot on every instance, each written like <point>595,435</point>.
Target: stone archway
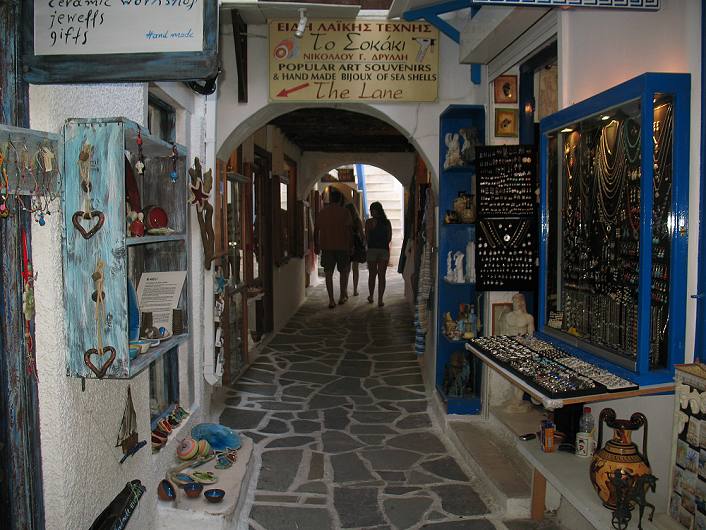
<point>397,164</point>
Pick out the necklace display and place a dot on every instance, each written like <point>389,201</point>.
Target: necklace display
<point>29,179</point>
<point>505,254</point>
<point>601,232</point>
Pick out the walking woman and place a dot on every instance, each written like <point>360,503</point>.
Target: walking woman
<point>358,246</point>
<point>378,232</point>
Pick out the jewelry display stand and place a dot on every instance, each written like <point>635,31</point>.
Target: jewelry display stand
<point>506,250</point>
<point>614,212</point>
<point>111,165</point>
<point>458,374</point>
<point>30,176</point>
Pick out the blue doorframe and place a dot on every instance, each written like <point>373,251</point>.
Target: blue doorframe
<point>700,342</point>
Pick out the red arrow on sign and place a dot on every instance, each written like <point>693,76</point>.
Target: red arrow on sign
<point>286,91</point>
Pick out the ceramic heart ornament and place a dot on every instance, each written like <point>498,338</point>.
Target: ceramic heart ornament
<point>107,350</point>
<point>93,215</point>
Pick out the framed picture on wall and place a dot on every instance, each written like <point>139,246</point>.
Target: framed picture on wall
<point>498,309</point>
<point>505,89</point>
<point>506,122</point>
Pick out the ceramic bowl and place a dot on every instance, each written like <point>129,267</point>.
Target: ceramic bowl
<point>193,489</point>
<point>134,352</point>
<point>166,490</point>
<point>214,495</point>
<point>142,344</point>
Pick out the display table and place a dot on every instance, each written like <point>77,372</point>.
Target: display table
<point>568,473</point>
<point>553,403</point>
<point>185,511</point>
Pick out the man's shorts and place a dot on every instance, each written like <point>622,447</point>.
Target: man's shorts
<point>335,258</point>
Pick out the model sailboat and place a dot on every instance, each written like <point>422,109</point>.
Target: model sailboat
<point>127,436</point>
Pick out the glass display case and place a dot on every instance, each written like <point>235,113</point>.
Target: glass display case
<point>614,225</point>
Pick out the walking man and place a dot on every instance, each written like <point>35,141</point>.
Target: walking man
<point>333,236</point>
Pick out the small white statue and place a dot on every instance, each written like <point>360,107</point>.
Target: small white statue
<point>518,321</point>
<point>453,151</point>
<point>458,258</point>
<point>471,262</point>
<point>450,275</point>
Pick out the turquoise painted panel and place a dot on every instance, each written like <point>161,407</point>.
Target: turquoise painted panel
<point>108,243</point>
<point>113,139</point>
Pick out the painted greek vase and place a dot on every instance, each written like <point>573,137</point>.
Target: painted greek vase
<point>619,454</point>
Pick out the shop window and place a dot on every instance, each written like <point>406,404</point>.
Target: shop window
<point>164,384</point>
<point>161,119</point>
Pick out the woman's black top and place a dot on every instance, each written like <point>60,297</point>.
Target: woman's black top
<point>379,233</point>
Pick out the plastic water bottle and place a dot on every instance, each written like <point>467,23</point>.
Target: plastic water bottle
<point>587,423</point>
<point>584,437</point>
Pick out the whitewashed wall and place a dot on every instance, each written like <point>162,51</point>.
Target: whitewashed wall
<point>80,464</point>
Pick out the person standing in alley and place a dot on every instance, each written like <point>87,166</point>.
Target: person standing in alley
<point>333,236</point>
<point>359,254</point>
<point>378,232</point>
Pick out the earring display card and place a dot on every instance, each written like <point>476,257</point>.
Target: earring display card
<point>507,180</point>
<point>687,491</point>
<point>505,254</point>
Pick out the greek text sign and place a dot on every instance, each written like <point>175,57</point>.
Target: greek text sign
<point>354,60</point>
<point>88,27</point>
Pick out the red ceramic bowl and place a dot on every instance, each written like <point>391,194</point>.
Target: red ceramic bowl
<point>155,217</point>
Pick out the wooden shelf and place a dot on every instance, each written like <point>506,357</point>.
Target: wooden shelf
<point>145,359</point>
<point>554,403</point>
<point>147,240</point>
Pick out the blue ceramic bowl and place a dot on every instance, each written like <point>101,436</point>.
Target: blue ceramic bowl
<point>214,495</point>
<point>134,352</point>
<point>166,491</point>
<point>193,489</point>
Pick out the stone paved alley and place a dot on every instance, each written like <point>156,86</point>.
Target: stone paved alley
<point>336,407</point>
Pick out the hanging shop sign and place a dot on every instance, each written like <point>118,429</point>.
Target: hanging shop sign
<point>119,40</point>
<point>648,5</point>
<point>354,60</point>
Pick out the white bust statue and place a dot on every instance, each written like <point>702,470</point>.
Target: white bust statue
<point>517,321</point>
<point>450,275</point>
<point>458,267</point>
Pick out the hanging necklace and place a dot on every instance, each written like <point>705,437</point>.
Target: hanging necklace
<point>87,213</point>
<point>100,320</point>
<point>28,305</point>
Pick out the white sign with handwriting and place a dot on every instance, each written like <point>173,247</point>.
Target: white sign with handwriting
<point>86,27</point>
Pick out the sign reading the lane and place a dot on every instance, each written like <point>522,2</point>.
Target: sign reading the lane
<point>354,60</point>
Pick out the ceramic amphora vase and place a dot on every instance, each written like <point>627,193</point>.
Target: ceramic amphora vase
<point>619,454</point>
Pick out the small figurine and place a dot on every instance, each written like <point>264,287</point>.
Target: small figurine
<point>137,227</point>
<point>470,262</point>
<point>453,151</point>
<point>450,274</point>
<point>458,267</point>
<point>470,141</point>
<point>449,325</point>
<point>457,375</point>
